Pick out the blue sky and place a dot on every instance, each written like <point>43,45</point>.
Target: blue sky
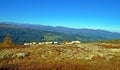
<point>92,14</point>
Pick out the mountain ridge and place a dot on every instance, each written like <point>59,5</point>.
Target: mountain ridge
<point>74,31</point>
<point>21,35</point>
<point>58,32</point>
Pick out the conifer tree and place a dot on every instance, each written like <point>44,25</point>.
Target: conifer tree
<point>7,41</point>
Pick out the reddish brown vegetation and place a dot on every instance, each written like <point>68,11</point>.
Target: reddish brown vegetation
<point>16,47</point>
<point>95,57</point>
<point>109,46</point>
<point>72,65</point>
<point>34,61</point>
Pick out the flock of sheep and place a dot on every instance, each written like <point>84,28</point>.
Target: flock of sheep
<point>54,43</point>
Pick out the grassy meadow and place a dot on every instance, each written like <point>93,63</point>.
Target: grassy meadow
<point>88,56</point>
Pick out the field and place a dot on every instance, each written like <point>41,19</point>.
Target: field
<point>88,56</point>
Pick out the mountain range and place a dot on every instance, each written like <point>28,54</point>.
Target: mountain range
<point>22,32</point>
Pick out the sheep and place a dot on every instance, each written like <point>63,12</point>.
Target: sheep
<point>48,42</point>
<point>26,44</point>
<point>34,43</point>
<point>55,42</point>
<point>75,42</point>
<point>39,43</point>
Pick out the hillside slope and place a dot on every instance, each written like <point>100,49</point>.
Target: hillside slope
<point>21,34</point>
<point>73,31</point>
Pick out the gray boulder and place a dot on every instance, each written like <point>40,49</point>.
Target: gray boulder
<point>20,55</point>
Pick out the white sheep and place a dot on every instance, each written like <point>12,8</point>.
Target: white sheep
<point>76,42</point>
<point>55,42</point>
<point>26,44</point>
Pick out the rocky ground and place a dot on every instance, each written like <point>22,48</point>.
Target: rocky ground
<point>89,56</point>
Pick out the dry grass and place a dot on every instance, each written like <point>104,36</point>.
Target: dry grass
<point>110,46</point>
<point>56,57</point>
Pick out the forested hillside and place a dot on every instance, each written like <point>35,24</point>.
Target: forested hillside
<point>21,35</point>
<point>72,31</point>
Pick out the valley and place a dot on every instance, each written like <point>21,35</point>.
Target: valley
<point>28,48</point>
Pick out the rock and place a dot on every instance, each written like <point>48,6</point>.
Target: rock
<point>5,56</point>
<point>114,50</point>
<point>20,55</point>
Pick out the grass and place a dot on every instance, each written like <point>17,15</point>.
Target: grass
<point>44,57</point>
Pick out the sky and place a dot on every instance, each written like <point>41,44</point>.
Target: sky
<point>91,14</point>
